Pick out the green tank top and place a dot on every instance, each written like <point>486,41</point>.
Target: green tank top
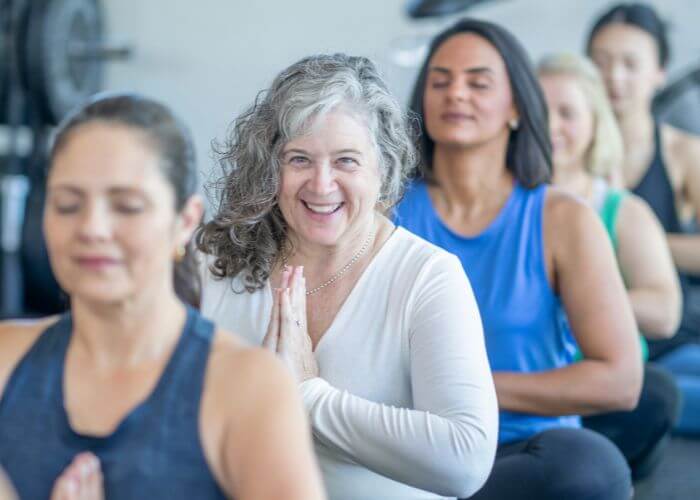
<point>608,212</point>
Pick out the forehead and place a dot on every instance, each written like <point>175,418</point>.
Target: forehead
<point>562,85</point>
<point>624,39</point>
<point>337,127</point>
<point>103,154</point>
<point>467,51</point>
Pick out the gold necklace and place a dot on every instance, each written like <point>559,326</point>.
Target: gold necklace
<point>345,268</point>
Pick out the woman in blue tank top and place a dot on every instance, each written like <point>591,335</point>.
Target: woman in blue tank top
<point>531,252</point>
<point>586,148</point>
<point>630,46</point>
<point>132,394</point>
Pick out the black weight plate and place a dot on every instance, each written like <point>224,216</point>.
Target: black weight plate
<point>58,31</point>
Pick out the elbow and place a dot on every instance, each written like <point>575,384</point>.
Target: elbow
<point>627,386</point>
<point>667,321</point>
<point>466,475</point>
<point>467,480</point>
<point>628,399</point>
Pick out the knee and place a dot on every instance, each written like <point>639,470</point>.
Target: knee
<point>588,466</point>
<point>661,396</point>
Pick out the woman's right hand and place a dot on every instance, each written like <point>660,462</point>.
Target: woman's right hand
<point>271,338</point>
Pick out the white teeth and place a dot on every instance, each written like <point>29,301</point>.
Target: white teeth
<point>323,209</point>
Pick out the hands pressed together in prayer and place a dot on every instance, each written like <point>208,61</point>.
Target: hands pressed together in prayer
<point>287,334</point>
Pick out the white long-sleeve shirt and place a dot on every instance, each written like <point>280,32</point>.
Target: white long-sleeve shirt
<point>404,406</point>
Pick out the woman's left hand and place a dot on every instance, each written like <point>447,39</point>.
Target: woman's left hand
<point>294,344</point>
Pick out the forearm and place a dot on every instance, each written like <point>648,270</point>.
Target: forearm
<point>446,454</point>
<point>657,311</point>
<point>584,388</point>
<point>685,249</point>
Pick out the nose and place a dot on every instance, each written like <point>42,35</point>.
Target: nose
<point>614,76</point>
<point>323,180</point>
<point>457,90</point>
<point>95,223</point>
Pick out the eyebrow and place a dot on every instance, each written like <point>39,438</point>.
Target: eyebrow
<point>295,150</point>
<point>347,150</point>
<point>117,190</point>
<point>337,152</point>
<point>478,70</point>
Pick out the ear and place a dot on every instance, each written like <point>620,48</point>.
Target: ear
<point>189,218</point>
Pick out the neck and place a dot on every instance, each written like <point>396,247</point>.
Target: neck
<point>130,332</point>
<point>573,178</point>
<point>635,125</point>
<point>322,261</point>
<point>471,177</point>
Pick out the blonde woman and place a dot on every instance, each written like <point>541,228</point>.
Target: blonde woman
<point>586,152</point>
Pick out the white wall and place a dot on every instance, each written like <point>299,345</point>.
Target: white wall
<point>209,58</point>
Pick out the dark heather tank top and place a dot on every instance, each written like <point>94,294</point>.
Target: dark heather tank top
<point>656,189</point>
<point>154,453</point>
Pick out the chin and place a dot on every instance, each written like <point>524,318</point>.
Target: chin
<point>98,293</point>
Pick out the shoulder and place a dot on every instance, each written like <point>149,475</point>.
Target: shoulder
<point>237,368</point>
<point>568,218</point>
<point>16,338</point>
<point>418,253</point>
<point>413,198</point>
<point>561,206</point>
<point>681,147</point>
<point>635,215</point>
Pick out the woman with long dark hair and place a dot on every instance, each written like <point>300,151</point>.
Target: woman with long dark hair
<point>533,253</point>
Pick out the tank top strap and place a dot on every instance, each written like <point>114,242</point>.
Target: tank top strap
<point>610,212</point>
<point>655,188</point>
<point>48,353</point>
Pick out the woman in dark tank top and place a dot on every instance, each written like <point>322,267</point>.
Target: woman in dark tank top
<point>132,394</point>
<point>629,45</point>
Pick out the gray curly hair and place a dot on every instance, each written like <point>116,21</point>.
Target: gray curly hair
<point>248,230</point>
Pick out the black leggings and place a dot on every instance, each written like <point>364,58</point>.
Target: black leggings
<point>642,434</point>
<point>558,464</point>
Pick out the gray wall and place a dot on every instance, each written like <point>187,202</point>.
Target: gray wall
<point>209,58</point>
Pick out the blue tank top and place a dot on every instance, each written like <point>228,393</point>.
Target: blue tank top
<point>155,452</point>
<point>524,323</point>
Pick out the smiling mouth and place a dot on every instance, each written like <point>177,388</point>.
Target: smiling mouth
<point>323,209</point>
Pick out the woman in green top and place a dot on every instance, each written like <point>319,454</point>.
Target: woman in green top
<point>587,152</point>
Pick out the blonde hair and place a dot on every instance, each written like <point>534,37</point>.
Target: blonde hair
<point>606,150</point>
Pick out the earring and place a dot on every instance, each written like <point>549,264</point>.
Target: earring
<point>180,253</point>
<point>513,124</point>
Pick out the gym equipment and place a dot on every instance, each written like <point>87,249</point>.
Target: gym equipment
<point>679,102</point>
<point>61,51</point>
<point>420,9</point>
<point>52,58</point>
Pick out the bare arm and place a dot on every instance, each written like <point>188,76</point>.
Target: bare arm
<point>685,248</point>
<point>7,492</point>
<point>267,446</point>
<point>586,275</point>
<point>647,267</point>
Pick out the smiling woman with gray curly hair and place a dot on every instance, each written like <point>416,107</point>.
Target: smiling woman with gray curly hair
<point>386,342</point>
<point>248,230</point>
